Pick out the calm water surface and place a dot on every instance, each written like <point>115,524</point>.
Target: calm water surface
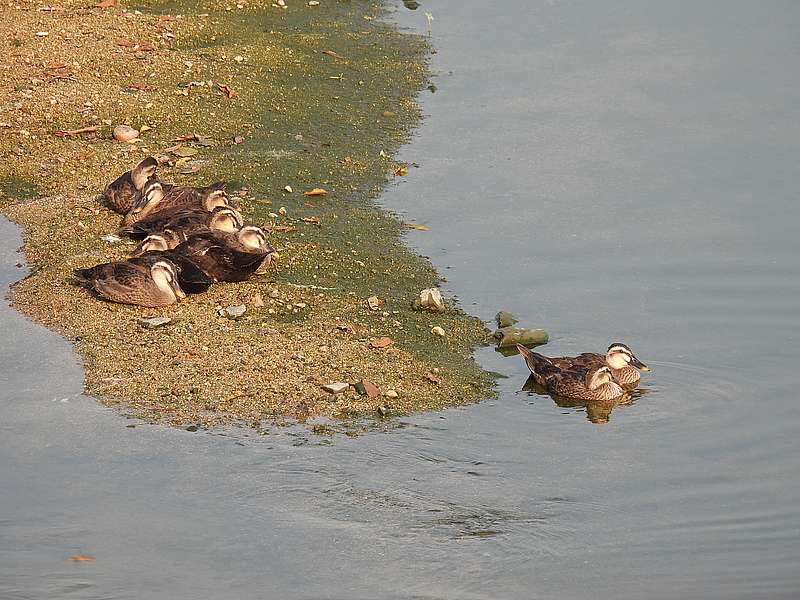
<point>616,172</point>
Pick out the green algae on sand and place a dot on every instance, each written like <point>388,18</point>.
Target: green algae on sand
<point>280,99</point>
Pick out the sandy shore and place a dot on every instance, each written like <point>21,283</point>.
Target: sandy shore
<point>305,97</point>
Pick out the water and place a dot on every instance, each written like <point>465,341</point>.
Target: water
<point>616,172</point>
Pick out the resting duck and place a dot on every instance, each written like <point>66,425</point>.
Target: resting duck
<point>619,358</point>
<point>187,221</point>
<point>121,193</point>
<point>229,256</point>
<point>166,240</point>
<point>153,199</point>
<point>191,278</point>
<point>592,384</point>
<point>130,282</point>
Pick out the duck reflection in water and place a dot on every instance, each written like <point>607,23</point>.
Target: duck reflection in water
<point>597,411</point>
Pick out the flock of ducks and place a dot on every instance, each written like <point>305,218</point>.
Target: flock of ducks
<point>189,238</point>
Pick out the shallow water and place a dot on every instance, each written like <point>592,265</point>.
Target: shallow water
<point>616,172</point>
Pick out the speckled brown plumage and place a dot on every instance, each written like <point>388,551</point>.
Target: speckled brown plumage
<point>155,199</point>
<point>223,257</point>
<point>186,221</point>
<point>619,358</point>
<point>121,193</point>
<point>592,384</point>
<point>133,282</point>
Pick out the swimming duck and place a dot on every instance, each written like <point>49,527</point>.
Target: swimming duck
<point>593,384</point>
<point>619,358</point>
<point>187,221</point>
<point>120,194</point>
<point>229,256</point>
<point>129,282</point>
<point>153,198</point>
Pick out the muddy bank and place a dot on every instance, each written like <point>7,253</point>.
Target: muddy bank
<point>305,97</point>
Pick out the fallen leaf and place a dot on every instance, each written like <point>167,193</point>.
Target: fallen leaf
<point>433,378</point>
<point>388,114</point>
<point>256,300</point>
<point>106,4</point>
<point>333,54</point>
<point>186,137</point>
<point>226,90</point>
<point>285,228</point>
<point>81,558</point>
<point>144,128</point>
<point>315,192</point>
<point>182,161</point>
<point>167,18</point>
<point>312,220</point>
<point>142,87</point>
<point>401,171</point>
<point>416,226</point>
<point>370,389</point>
<point>73,132</point>
<point>171,148</point>
<point>381,342</point>
<point>373,302</point>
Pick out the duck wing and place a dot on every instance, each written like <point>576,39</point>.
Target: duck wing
<point>191,278</point>
<point>585,361</point>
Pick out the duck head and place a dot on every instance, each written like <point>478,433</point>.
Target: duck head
<point>165,275</point>
<point>147,202</point>
<point>225,218</point>
<point>620,356</point>
<point>141,173</point>
<point>215,199</point>
<point>253,238</point>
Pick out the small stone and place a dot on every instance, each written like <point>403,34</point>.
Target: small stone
<point>257,300</point>
<point>373,302</point>
<point>274,294</point>
<point>438,331</point>
<point>505,319</point>
<point>238,58</point>
<point>383,410</point>
<point>288,189</point>
<point>282,211</point>
<point>42,33</point>
<point>233,312</point>
<point>336,388</point>
<point>125,133</point>
<point>430,299</point>
<point>111,238</point>
<point>391,394</point>
<point>154,322</point>
<point>313,2</point>
<point>388,114</point>
<point>366,388</point>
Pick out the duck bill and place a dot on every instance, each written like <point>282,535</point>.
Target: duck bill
<point>639,364</point>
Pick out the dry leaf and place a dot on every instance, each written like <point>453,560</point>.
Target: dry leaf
<point>73,132</point>
<point>333,54</point>
<point>284,228</point>
<point>226,90</point>
<point>315,192</point>
<point>312,220</point>
<point>433,378</point>
<point>257,301</point>
<point>373,302</point>
<point>186,137</point>
<point>81,558</point>
<point>381,342</point>
<point>401,171</point>
<point>184,151</point>
<point>417,226</point>
<point>106,4</point>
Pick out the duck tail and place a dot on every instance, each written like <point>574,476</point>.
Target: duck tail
<point>540,366</point>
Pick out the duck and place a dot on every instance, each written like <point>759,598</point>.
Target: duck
<point>121,193</point>
<point>153,198</point>
<point>166,240</point>
<point>129,282</point>
<point>619,358</point>
<point>191,278</point>
<point>187,221</point>
<point>595,383</point>
<point>229,256</point>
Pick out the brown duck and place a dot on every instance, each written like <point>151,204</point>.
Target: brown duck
<point>229,256</point>
<point>582,384</point>
<point>191,278</point>
<point>187,221</point>
<point>132,282</point>
<point>619,358</point>
<point>125,189</point>
<point>154,199</point>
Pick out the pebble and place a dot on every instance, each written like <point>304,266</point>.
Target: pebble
<point>274,294</point>
<point>313,2</point>
<point>366,388</point>
<point>154,322</point>
<point>233,312</point>
<point>430,299</point>
<point>111,238</point>
<point>383,410</point>
<point>505,319</point>
<point>336,387</point>
<point>124,133</point>
<point>282,211</point>
<point>288,189</point>
<point>438,331</point>
<point>391,394</point>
